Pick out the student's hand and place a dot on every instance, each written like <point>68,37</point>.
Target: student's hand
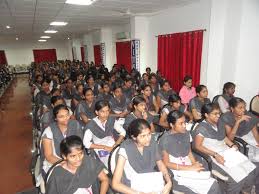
<point>167,188</point>
<point>197,167</point>
<point>108,148</point>
<point>220,159</point>
<point>243,118</point>
<point>144,115</point>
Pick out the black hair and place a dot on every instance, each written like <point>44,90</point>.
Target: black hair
<point>187,78</point>
<point>136,100</point>
<point>127,79</point>
<point>69,79</point>
<point>152,75</point>
<point>199,88</point>
<point>173,116</point>
<point>54,90</point>
<point>174,98</point>
<point>136,127</point>
<point>86,90</point>
<point>208,108</point>
<point>101,104</point>
<point>45,81</point>
<point>104,84</point>
<point>235,101</point>
<point>148,68</point>
<point>59,107</point>
<point>89,76</point>
<point>227,86</point>
<point>78,85</point>
<point>54,99</point>
<point>116,86</point>
<point>70,142</point>
<point>144,86</point>
<point>163,82</point>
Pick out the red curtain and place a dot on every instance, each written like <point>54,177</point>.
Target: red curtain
<point>45,55</point>
<point>97,55</point>
<point>83,53</point>
<point>3,60</point>
<point>179,55</point>
<point>123,54</point>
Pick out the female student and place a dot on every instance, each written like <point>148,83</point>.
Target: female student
<point>239,122</point>
<point>178,157</point>
<point>139,112</point>
<point>85,109</point>
<point>42,99</point>
<point>106,92</point>
<point>127,89</point>
<point>197,102</point>
<point>78,173</point>
<point>164,93</point>
<point>227,160</point>
<point>55,133</point>
<point>228,93</point>
<point>174,103</point>
<point>68,92</point>
<point>78,96</point>
<point>151,103</point>
<point>103,132</point>
<point>154,83</point>
<point>138,157</point>
<point>91,84</point>
<point>119,102</point>
<point>187,92</point>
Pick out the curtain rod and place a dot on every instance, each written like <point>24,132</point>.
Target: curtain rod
<point>181,32</point>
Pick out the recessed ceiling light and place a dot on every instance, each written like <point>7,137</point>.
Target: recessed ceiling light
<point>58,23</point>
<point>16,38</point>
<point>68,38</point>
<point>8,27</point>
<point>45,37</point>
<point>80,2</point>
<point>41,40</point>
<point>50,31</point>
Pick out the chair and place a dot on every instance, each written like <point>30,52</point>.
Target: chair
<point>254,105</point>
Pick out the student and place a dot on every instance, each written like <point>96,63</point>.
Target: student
<point>127,89</point>
<point>139,112</point>
<point>164,93</point>
<point>151,103</point>
<point>106,92</point>
<point>144,79</point>
<point>78,96</point>
<point>55,133</point>
<point>91,84</point>
<point>42,99</point>
<point>137,155</point>
<point>85,109</point>
<point>101,131</point>
<point>36,87</point>
<point>197,102</point>
<point>239,122</point>
<point>178,157</point>
<point>78,173</point>
<point>174,103</point>
<point>119,102</point>
<point>154,84</point>
<point>227,160</point>
<point>187,92</point>
<point>68,92</point>
<point>228,93</point>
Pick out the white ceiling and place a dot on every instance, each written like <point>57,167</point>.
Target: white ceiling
<point>30,18</point>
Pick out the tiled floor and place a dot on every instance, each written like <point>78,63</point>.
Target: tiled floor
<point>15,137</point>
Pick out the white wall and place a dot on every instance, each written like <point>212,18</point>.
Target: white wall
<point>20,52</point>
<point>190,17</point>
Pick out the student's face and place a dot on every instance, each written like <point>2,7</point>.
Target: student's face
<point>45,86</point>
<point>80,89</point>
<point>166,87</point>
<point>141,107</point>
<point>144,138</point>
<point>118,92</point>
<point>128,84</point>
<point>231,91</point>
<point>89,96</point>
<point>75,158</point>
<point>90,81</point>
<point>203,93</point>
<point>188,83</point>
<point>106,88</point>
<point>176,105</point>
<point>63,117</point>
<point>58,102</point>
<point>80,77</point>
<point>57,93</point>
<point>145,77</point>
<point>103,114</point>
<point>69,84</point>
<point>213,117</point>
<point>153,80</point>
<point>147,91</point>
<point>240,109</point>
<point>39,79</point>
<point>180,126</point>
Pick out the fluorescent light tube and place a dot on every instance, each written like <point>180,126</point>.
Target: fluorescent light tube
<point>45,37</point>
<point>41,40</point>
<point>50,31</point>
<point>58,23</point>
<point>80,2</point>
